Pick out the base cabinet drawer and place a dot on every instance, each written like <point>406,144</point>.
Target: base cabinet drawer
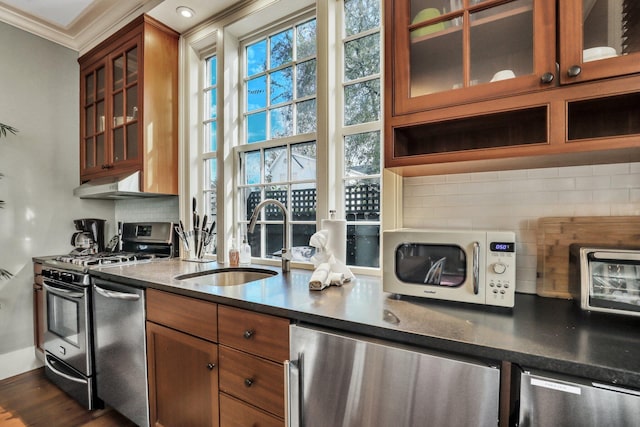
<point>190,315</point>
<point>257,381</point>
<point>235,413</point>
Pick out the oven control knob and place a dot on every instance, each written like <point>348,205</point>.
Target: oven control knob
<point>499,267</point>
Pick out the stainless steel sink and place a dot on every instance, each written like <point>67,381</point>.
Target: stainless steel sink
<point>227,276</point>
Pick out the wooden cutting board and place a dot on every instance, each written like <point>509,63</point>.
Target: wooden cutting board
<point>555,234</point>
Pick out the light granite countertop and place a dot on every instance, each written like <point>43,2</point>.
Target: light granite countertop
<point>539,333</point>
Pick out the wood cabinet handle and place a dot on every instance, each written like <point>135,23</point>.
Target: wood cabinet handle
<point>248,382</point>
<point>210,366</point>
<point>248,334</point>
<point>574,71</point>
<point>547,78</point>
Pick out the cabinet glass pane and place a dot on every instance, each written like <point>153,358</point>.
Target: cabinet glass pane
<point>118,116</point>
<point>118,144</point>
<point>132,103</point>
<point>610,28</point>
<point>89,89</point>
<point>118,72</point>
<point>502,42</point>
<point>132,141</point>
<point>100,116</point>
<point>89,153</point>
<point>100,83</point>
<point>132,65</point>
<point>100,150</point>
<point>436,57</point>
<point>88,120</point>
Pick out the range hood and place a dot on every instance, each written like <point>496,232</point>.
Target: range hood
<point>113,188</point>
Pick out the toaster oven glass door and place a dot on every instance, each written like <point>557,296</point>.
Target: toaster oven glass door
<point>615,282</point>
<point>431,264</point>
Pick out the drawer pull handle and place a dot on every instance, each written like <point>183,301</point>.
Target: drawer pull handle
<point>248,333</point>
<point>547,78</point>
<point>210,366</point>
<point>248,382</point>
<point>574,71</point>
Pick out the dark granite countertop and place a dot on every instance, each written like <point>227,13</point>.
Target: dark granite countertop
<point>539,333</point>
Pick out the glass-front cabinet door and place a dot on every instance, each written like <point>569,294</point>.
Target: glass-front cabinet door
<point>449,52</point>
<point>92,127</point>
<point>598,39</point>
<point>125,136</point>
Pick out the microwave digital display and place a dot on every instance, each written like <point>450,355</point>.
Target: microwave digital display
<point>502,247</point>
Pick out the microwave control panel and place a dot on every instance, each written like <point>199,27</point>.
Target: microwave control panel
<point>501,268</point>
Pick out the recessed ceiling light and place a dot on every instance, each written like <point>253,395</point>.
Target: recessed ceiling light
<point>185,12</point>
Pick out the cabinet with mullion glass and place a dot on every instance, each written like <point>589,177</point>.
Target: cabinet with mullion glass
<point>129,112</point>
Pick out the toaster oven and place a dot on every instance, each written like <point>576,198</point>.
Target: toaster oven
<point>466,266</point>
<point>608,278</point>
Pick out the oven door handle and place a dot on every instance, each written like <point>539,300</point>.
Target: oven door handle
<point>62,374</point>
<point>116,295</point>
<point>63,292</point>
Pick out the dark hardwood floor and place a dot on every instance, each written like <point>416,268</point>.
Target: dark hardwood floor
<point>30,399</point>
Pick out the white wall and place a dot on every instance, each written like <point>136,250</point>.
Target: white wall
<point>514,200</point>
<point>39,91</point>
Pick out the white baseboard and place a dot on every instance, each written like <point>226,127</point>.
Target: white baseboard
<point>18,361</point>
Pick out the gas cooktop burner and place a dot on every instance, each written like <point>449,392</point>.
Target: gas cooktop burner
<point>105,258</point>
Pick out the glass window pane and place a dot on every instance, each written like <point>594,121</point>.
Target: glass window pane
<point>118,72</point>
<point>212,104</point>
<point>362,199</point>
<point>306,116</point>
<point>256,93</point>
<point>212,64</point>
<point>273,240</point>
<point>100,119</point>
<point>118,144</point>
<point>363,245</point>
<point>303,162</point>
<point>88,121</point>
<point>304,203</point>
<point>132,103</point>
<point>211,174</point>
<point>257,127</point>
<point>362,102</point>
<point>362,57</point>
<point>251,198</point>
<point>281,86</point>
<point>281,48</point>
<point>251,167</point>
<point>89,89</point>
<point>211,136</point>
<point>281,121</point>
<point>100,85</point>
<point>100,158</point>
<point>256,58</point>
<point>361,15</point>
<point>306,39</point>
<point>118,116</point>
<point>362,154</point>
<point>306,78</point>
<point>278,192</point>
<point>89,153</point>
<point>276,167</point>
<point>300,249</point>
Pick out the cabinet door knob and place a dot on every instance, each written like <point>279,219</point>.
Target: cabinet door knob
<point>210,366</point>
<point>248,382</point>
<point>547,78</point>
<point>574,71</point>
<point>248,333</point>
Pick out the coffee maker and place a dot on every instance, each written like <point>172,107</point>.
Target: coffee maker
<point>89,237</point>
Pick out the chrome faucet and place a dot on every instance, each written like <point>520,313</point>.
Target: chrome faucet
<point>286,250</point>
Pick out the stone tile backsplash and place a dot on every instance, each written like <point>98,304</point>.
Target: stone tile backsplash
<point>514,200</point>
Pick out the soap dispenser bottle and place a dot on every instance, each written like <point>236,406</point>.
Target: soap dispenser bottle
<point>245,252</point>
<point>234,254</point>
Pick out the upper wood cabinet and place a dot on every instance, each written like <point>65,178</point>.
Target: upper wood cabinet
<point>598,39</point>
<point>473,85</point>
<point>448,52</point>
<point>129,107</point>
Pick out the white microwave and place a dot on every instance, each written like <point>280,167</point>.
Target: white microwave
<point>467,266</point>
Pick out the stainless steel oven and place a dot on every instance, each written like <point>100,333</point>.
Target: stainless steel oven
<point>68,335</point>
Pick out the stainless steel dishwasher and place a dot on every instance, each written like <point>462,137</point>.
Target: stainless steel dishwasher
<point>121,350</point>
<point>344,380</point>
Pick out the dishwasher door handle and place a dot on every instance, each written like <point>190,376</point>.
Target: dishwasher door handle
<point>116,295</point>
<point>62,374</point>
